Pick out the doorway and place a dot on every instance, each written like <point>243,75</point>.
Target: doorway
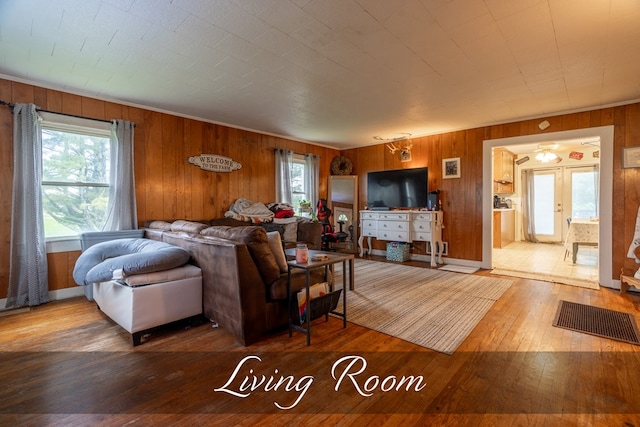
<point>559,194</point>
<point>605,184</point>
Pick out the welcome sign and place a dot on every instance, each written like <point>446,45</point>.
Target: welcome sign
<point>214,163</point>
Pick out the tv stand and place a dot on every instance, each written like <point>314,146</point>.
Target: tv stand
<point>403,226</point>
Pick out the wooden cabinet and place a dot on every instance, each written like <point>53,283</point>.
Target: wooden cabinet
<point>503,171</point>
<point>504,227</point>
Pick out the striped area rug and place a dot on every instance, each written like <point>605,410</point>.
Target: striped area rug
<point>431,308</point>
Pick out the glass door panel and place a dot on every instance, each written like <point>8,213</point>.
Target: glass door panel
<point>548,205</point>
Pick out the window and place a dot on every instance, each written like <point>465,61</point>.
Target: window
<point>298,191</point>
<point>75,176</point>
<point>584,194</point>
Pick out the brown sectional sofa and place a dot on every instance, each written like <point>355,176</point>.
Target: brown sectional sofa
<point>244,288</point>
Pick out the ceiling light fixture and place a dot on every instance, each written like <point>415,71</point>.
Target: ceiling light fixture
<point>546,156</point>
<point>396,137</point>
<point>404,145</point>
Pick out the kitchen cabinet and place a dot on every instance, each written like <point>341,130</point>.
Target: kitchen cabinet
<point>504,227</point>
<point>503,171</point>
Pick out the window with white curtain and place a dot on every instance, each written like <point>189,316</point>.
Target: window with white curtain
<point>298,190</point>
<point>75,174</point>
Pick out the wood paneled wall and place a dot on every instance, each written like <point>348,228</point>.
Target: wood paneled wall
<point>167,186</point>
<point>462,198</point>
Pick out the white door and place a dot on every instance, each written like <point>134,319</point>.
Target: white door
<point>581,193</point>
<point>548,211</point>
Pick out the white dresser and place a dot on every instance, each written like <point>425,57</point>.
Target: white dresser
<point>403,226</point>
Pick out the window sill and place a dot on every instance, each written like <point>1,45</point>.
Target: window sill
<point>63,244</point>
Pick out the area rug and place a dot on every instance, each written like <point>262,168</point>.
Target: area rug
<point>431,308</point>
<point>597,321</point>
<point>545,277</point>
<point>458,268</point>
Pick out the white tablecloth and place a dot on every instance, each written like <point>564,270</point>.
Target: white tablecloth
<point>582,231</point>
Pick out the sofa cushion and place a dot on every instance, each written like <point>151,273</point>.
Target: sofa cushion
<point>290,232</point>
<point>158,225</point>
<point>271,226</point>
<point>180,273</point>
<point>188,226</point>
<point>278,289</point>
<point>275,243</point>
<point>255,237</point>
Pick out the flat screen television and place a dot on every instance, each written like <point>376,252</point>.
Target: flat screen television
<point>401,188</point>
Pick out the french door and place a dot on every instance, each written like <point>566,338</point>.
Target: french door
<point>581,192</point>
<point>547,202</point>
<point>562,193</point>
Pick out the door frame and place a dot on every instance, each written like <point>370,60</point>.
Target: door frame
<point>605,247</point>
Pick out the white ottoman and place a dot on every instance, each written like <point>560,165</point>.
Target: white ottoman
<point>144,301</point>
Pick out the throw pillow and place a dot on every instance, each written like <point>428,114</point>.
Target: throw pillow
<point>275,243</point>
<point>291,232</point>
<point>255,237</point>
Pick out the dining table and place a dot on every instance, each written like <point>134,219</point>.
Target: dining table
<point>581,232</point>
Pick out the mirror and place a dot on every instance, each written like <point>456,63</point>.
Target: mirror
<point>342,199</point>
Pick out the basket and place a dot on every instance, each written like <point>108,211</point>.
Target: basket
<point>397,251</point>
<point>322,305</point>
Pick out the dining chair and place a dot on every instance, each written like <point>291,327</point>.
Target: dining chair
<point>566,251</point>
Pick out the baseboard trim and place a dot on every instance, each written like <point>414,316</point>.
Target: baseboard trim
<point>58,294</point>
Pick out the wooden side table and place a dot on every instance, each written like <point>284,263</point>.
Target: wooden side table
<point>332,258</point>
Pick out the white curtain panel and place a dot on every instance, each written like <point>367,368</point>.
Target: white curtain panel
<point>28,283</point>
<point>284,160</point>
<point>312,176</point>
<point>121,214</point>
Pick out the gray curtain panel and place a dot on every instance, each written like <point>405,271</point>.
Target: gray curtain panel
<point>528,208</point>
<point>121,213</point>
<point>284,159</point>
<point>28,283</point>
<point>312,177</point>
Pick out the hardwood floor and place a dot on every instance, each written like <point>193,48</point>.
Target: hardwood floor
<point>64,363</point>
<point>547,259</point>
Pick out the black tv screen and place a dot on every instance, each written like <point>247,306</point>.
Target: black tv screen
<point>401,188</point>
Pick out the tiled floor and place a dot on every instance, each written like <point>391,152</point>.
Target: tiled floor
<point>547,258</point>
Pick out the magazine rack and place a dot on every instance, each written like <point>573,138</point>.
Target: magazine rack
<point>324,304</point>
<point>321,306</point>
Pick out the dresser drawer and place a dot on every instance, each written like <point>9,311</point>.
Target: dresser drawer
<point>396,236</point>
<point>421,226</point>
<point>393,226</point>
<point>421,236</point>
<point>393,216</point>
<point>424,216</point>
<point>369,232</point>
<point>368,215</point>
<point>368,223</point>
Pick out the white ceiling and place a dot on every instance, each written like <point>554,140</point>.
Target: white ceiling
<point>332,72</point>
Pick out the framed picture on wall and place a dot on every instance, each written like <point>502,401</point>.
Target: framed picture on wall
<point>451,168</point>
<point>631,157</point>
